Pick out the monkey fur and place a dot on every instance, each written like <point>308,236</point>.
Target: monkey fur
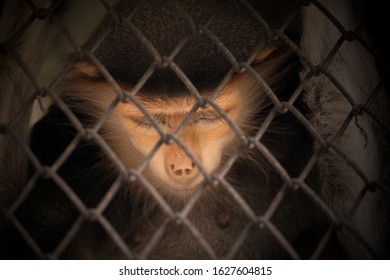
<point>137,213</point>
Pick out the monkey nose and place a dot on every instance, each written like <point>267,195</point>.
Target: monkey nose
<point>186,170</point>
<point>180,168</point>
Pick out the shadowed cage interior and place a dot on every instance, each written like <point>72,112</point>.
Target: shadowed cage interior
<point>151,74</point>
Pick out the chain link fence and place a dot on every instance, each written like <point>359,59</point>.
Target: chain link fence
<point>16,152</point>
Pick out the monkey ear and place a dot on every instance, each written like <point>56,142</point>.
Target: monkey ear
<point>264,54</point>
<point>271,57</point>
<point>86,69</point>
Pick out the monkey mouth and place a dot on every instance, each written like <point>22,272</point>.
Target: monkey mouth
<point>181,189</point>
<point>185,187</point>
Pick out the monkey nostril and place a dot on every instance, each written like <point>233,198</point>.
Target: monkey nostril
<point>178,172</point>
<point>182,171</point>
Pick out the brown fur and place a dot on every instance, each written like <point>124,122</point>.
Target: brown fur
<point>251,211</point>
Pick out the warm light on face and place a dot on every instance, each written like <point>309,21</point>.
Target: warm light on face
<point>205,136</point>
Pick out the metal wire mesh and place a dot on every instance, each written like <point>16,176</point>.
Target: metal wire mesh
<point>323,143</point>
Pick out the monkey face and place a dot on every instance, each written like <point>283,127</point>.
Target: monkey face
<point>198,140</point>
<point>203,139</point>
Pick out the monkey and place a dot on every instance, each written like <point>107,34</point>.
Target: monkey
<point>167,134</point>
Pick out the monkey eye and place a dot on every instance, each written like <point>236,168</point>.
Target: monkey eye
<point>206,120</point>
<point>147,125</point>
